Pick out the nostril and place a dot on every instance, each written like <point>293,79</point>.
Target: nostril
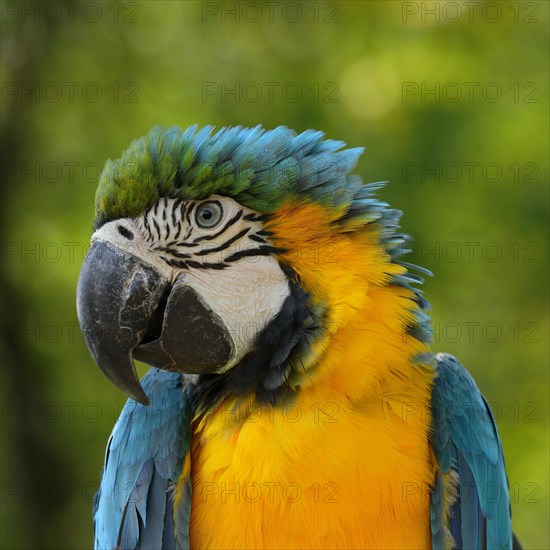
<point>126,233</point>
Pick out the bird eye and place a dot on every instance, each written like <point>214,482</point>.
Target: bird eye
<point>209,214</point>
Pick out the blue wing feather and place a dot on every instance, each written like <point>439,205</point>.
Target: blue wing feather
<point>133,507</point>
<point>465,440</point>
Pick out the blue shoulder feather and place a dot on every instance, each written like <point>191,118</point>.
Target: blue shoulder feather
<point>133,507</point>
<point>465,441</point>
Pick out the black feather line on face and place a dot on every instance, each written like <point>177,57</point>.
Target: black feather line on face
<point>224,245</point>
<point>276,352</point>
<point>227,225</point>
<point>257,239</point>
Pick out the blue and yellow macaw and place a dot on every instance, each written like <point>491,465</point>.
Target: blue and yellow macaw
<point>294,401</point>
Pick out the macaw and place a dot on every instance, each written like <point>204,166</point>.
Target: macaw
<point>293,399</point>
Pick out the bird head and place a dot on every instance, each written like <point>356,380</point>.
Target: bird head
<point>239,256</point>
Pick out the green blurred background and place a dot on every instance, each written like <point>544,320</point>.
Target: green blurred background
<point>450,101</point>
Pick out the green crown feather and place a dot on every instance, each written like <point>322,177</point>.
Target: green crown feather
<point>256,167</point>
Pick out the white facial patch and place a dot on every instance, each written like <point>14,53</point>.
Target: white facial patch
<point>220,249</point>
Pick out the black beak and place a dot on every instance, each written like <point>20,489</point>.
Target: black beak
<point>116,297</point>
<point>128,310</point>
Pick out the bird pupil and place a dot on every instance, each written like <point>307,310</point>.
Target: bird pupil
<point>207,214</point>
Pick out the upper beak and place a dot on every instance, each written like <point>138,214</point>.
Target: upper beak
<point>117,295</point>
